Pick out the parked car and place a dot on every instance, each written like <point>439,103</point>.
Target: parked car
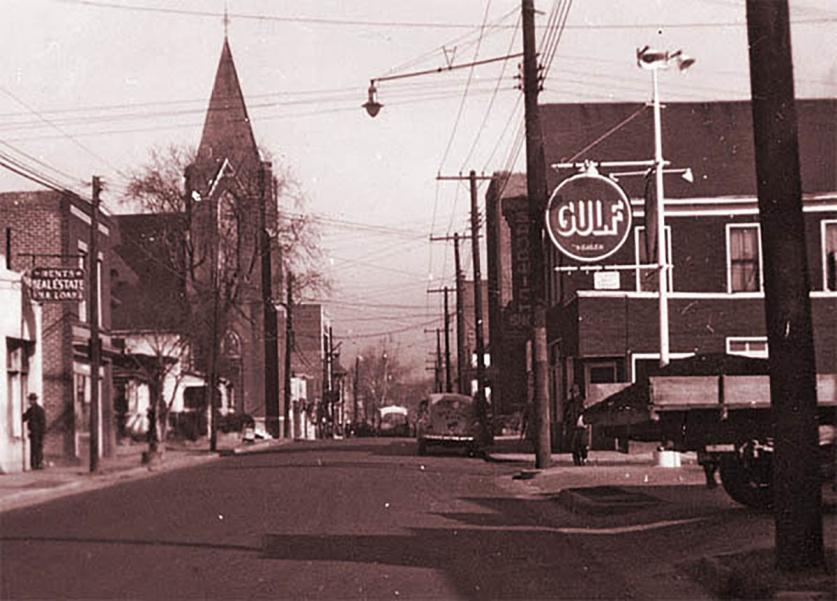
<point>450,420</point>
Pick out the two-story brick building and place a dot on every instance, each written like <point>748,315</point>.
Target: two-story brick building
<point>52,229</point>
<point>606,329</point>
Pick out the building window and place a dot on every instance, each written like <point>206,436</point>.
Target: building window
<point>17,381</point>
<point>646,279</point>
<point>829,255</point>
<point>743,258</point>
<point>755,346</point>
<point>602,373</point>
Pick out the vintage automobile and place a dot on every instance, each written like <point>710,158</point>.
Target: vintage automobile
<point>447,419</point>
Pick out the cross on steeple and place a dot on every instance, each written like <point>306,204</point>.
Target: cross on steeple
<point>226,20</point>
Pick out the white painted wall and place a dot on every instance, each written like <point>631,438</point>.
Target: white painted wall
<point>19,319</point>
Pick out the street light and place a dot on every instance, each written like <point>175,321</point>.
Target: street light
<point>654,61</point>
<point>372,106</point>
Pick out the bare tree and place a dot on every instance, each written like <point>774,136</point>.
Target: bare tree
<point>212,271</point>
<point>383,378</point>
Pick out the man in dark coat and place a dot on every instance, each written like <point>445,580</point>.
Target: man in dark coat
<point>35,417</point>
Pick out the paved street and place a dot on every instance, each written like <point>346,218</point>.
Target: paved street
<point>364,518</point>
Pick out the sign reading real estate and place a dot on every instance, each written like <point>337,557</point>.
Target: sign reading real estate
<point>57,284</point>
<point>588,217</point>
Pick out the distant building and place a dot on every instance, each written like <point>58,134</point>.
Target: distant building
<point>602,331</point>
<point>52,229</point>
<point>508,320</point>
<point>309,357</point>
<point>470,330</point>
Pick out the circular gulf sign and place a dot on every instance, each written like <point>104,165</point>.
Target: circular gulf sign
<point>588,217</point>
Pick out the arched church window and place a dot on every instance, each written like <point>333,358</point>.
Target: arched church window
<point>232,344</point>
<point>229,232</point>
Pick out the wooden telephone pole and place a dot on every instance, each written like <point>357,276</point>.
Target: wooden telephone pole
<point>271,335</point>
<point>93,319</point>
<point>482,404</point>
<point>793,383</point>
<point>461,385</point>
<point>447,386</point>
<point>536,193</point>
<point>289,348</point>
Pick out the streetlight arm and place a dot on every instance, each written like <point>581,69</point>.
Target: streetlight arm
<point>448,68</point>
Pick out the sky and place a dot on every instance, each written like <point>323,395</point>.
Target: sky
<point>89,87</point>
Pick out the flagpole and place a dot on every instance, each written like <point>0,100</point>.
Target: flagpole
<point>662,247</point>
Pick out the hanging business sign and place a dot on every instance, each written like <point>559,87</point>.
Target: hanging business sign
<point>588,217</point>
<point>56,284</point>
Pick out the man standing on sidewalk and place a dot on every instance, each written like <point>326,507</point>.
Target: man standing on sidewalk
<point>35,417</point>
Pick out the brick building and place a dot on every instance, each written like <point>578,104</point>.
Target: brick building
<point>311,327</point>
<point>607,332</point>
<point>52,229</point>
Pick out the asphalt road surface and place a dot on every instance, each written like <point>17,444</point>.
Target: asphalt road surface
<point>364,519</point>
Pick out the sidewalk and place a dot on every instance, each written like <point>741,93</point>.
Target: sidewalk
<point>632,493</point>
<point>33,487</point>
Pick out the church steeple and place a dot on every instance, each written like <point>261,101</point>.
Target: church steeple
<point>226,131</point>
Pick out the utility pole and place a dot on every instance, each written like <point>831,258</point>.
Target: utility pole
<point>448,380</point>
<point>447,386</point>
<point>271,350</point>
<point>482,405</point>
<point>289,347</point>
<point>332,391</point>
<point>212,393</point>
<point>93,314</point>
<point>482,409</point>
<point>460,318</point>
<point>793,395</point>
<point>438,365</point>
<point>355,383</point>
<point>536,193</point>
<point>461,386</point>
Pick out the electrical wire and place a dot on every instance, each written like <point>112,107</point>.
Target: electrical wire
<point>405,24</point>
<point>465,91</point>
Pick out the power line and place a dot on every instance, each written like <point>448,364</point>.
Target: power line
<point>467,86</point>
<point>63,133</point>
<point>405,24</point>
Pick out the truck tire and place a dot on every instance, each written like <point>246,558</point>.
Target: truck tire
<point>747,476</point>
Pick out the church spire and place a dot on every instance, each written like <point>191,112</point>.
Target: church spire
<point>226,131</point>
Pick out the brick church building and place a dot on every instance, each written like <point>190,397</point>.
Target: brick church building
<point>223,266</point>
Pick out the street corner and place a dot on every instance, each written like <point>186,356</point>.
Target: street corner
<point>752,574</point>
<point>33,493</point>
<point>256,446</point>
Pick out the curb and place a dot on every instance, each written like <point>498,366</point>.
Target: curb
<point>91,482</point>
<point>576,501</point>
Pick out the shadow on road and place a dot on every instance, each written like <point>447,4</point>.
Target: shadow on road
<point>131,542</point>
<point>480,563</point>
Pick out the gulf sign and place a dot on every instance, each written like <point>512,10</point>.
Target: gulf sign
<point>588,217</point>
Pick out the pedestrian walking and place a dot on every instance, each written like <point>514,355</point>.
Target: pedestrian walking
<point>35,418</point>
<point>574,420</point>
